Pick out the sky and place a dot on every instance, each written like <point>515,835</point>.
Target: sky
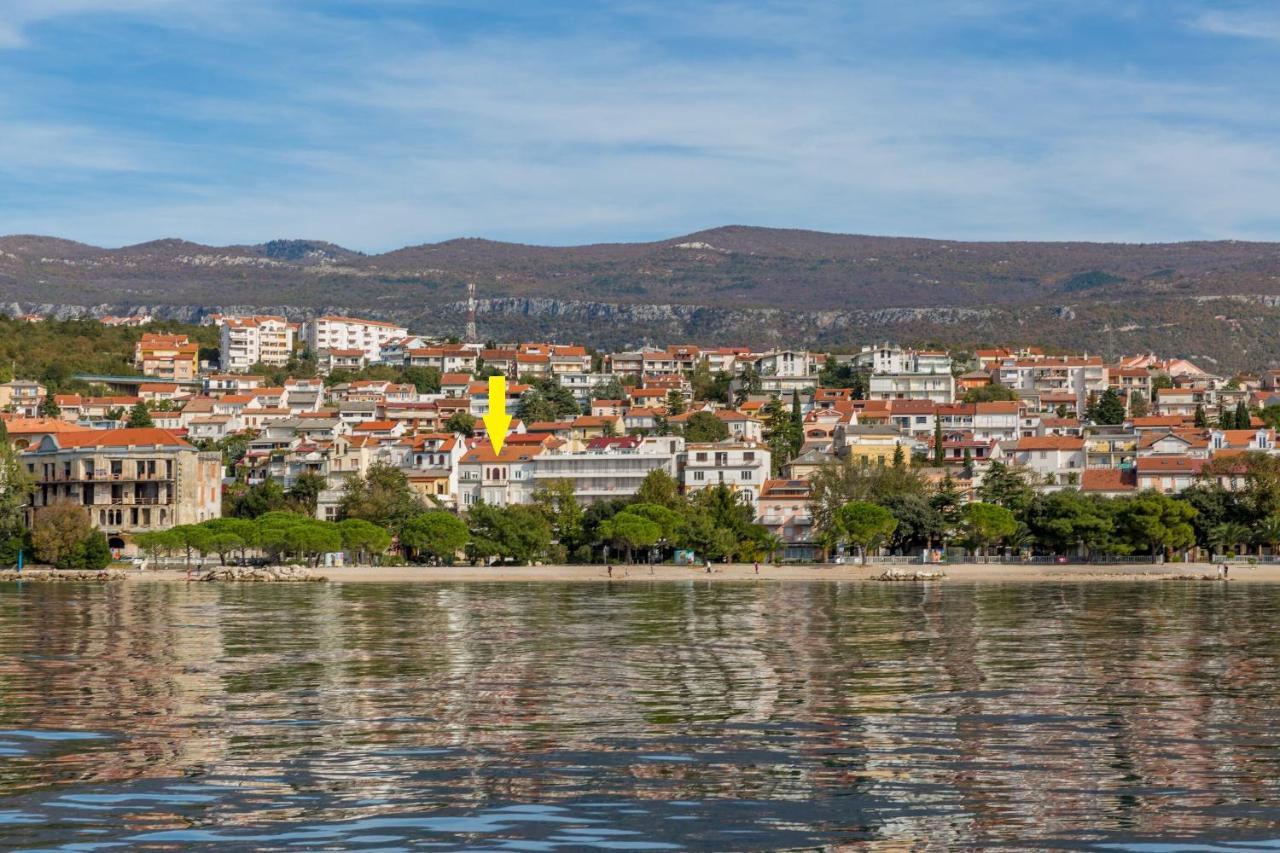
<point>381,123</point>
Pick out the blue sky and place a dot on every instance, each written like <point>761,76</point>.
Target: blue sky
<point>382,123</point>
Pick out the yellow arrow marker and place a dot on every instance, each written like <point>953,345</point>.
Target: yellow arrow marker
<point>497,423</point>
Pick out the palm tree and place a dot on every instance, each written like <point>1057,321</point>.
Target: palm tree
<point>772,543</point>
<point>1267,532</point>
<point>1020,539</point>
<point>1228,534</point>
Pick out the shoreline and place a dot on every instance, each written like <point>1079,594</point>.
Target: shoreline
<point>739,572</point>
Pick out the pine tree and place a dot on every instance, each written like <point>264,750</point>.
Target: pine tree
<point>939,453</point>
<point>139,416</point>
<point>777,432</point>
<point>1202,420</point>
<point>797,424</point>
<point>1244,420</point>
<point>899,458</point>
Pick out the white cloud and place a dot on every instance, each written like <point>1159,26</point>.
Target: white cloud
<point>384,134</point>
<point>1255,24</point>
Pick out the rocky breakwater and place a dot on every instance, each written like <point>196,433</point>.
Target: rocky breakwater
<point>59,576</point>
<point>259,574</point>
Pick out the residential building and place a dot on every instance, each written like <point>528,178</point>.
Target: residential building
<point>740,465</point>
<point>171,357</point>
<point>130,481</point>
<point>246,341</point>
<point>332,332</point>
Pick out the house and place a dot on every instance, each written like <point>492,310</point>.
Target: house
<point>129,481</point>
<point>171,357</point>
<point>1169,475</point>
<point>1057,460</point>
<point>22,397</point>
<point>742,466</point>
<point>785,510</point>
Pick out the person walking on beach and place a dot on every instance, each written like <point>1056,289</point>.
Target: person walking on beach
<point>609,569</point>
<point>1226,571</point>
<point>707,561</point>
<point>757,565</point>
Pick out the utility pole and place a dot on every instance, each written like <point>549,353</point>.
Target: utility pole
<point>471,312</point>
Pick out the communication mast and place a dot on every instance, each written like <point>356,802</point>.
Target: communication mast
<point>471,312</point>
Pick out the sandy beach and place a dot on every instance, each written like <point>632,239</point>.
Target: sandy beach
<point>957,573</point>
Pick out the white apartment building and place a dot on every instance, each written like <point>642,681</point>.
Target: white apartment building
<point>1078,376</point>
<point>246,341</point>
<point>500,479</point>
<point>1059,460</point>
<point>904,374</point>
<point>935,387</point>
<point>741,465</point>
<point>609,467</point>
<point>891,358</point>
<point>999,420</point>
<point>332,332</point>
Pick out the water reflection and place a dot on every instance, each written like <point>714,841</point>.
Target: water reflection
<point>696,717</point>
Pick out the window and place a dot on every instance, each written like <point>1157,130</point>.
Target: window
<point>746,475</point>
<point>699,476</point>
<point>749,456</point>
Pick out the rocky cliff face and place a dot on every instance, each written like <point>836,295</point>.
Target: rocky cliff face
<point>754,286</point>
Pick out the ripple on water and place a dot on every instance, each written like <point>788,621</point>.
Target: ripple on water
<point>563,717</point>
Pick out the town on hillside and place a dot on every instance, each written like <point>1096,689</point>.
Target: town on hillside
<point>682,452</point>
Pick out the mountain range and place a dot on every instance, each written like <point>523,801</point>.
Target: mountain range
<point>1217,301</point>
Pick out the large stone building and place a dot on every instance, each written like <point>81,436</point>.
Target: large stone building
<point>130,481</point>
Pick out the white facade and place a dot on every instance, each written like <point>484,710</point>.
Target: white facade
<point>246,341</point>
<point>349,333</point>
<point>609,468</point>
<point>742,466</point>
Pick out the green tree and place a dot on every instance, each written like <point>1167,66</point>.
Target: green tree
<point>1156,522</point>
<point>630,531</point>
<point>140,416</point>
<point>704,427</point>
<point>520,534</point>
<point>986,524</point>
<point>425,380</point>
<point>659,487</point>
<point>841,481</point>
<point>1244,420</point>
<point>561,509</point>
<point>461,423</point>
<point>866,525</point>
<point>535,408</point>
<point>919,522</point>
<point>382,496</point>
<point>49,407</point>
<point>778,433</point>
<point>1267,532</point>
<point>1226,536</point>
<point>939,449</point>
<point>674,403</point>
<point>245,501</point>
<point>1008,486</point>
<point>16,488</point>
<point>363,538</point>
<point>96,552</point>
<point>990,394</point>
<point>1068,519</point>
<point>1108,408</point>
<point>305,492</point>
<point>1201,420</point>
<point>437,534</point>
<point>59,534</point>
